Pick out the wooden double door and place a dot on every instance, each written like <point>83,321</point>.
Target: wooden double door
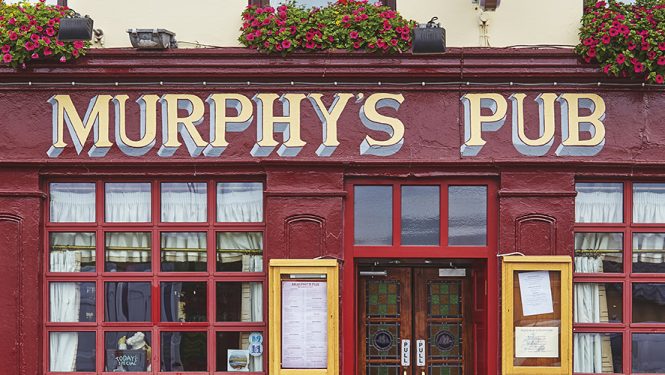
<point>414,321</point>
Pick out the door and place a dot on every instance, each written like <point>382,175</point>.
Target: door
<point>414,321</point>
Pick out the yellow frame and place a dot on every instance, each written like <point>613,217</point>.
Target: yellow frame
<point>279,267</point>
<point>562,264</point>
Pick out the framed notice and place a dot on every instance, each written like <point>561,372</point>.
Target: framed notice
<point>537,315</point>
<point>304,317</point>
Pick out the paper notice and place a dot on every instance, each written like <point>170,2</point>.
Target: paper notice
<point>536,342</point>
<point>536,293</point>
<point>304,325</point>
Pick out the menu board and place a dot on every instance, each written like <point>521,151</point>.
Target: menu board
<point>304,325</point>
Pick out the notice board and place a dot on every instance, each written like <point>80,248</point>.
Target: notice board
<point>537,315</point>
<point>304,317</point>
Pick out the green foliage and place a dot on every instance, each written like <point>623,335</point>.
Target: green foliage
<point>346,24</point>
<point>29,32</point>
<point>627,40</point>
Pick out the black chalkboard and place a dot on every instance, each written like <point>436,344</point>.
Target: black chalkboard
<point>125,360</point>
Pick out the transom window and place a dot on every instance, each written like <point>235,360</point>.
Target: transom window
<point>420,215</point>
<point>155,276</point>
<point>619,308</point>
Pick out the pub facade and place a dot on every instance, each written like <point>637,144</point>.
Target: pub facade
<point>220,211</point>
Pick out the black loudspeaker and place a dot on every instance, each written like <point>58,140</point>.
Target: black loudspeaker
<point>429,38</point>
<point>75,28</point>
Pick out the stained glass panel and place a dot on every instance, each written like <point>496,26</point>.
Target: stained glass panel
<point>383,370</point>
<point>445,340</point>
<point>383,298</point>
<point>383,341</point>
<point>444,299</point>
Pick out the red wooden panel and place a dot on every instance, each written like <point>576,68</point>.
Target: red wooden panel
<point>10,299</point>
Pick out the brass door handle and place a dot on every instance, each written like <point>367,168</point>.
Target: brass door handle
<point>405,372</point>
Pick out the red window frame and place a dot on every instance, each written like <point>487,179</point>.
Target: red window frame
<point>353,252</point>
<point>626,278</point>
<point>211,227</point>
<point>263,3</point>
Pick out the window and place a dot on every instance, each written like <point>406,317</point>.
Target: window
<point>420,215</point>
<point>155,276</point>
<point>619,303</point>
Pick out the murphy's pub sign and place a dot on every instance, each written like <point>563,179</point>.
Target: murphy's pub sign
<point>582,132</point>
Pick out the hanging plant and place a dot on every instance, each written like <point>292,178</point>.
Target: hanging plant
<point>626,40</point>
<point>29,32</point>
<point>346,24</point>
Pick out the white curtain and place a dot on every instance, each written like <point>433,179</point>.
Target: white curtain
<point>184,203</point>
<point>240,202</point>
<point>648,207</point>
<point>590,301</point>
<point>243,247</point>
<point>127,203</point>
<point>127,248</point>
<point>184,247</point>
<point>65,299</point>
<point>72,203</point>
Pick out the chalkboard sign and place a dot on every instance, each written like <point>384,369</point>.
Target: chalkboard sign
<point>125,360</point>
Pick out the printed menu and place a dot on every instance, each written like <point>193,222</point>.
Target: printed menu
<point>304,325</point>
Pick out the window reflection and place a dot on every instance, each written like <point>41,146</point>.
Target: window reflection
<point>184,351</point>
<point>467,215</point>
<point>127,302</point>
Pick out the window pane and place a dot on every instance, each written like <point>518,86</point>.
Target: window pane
<point>233,354</point>
<point>72,252</point>
<point>127,202</point>
<point>649,203</point>
<point>598,353</point>
<point>72,202</point>
<point>649,252</point>
<point>648,303</point>
<point>184,202</point>
<point>72,301</point>
<point>239,202</point>
<point>373,215</point>
<point>183,301</point>
<point>598,303</point>
<point>467,215</point>
<point>239,302</point>
<point>598,252</point>
<point>72,351</point>
<point>127,302</point>
<point>647,353</point>
<point>420,215</point>
<point>184,252</point>
<point>127,252</point>
<point>127,351</point>
<point>599,202</point>
<point>240,252</point>
<point>184,351</point>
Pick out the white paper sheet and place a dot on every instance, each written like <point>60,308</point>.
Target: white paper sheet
<point>304,325</point>
<point>536,342</point>
<point>536,293</point>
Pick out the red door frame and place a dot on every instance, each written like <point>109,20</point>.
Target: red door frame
<point>352,253</point>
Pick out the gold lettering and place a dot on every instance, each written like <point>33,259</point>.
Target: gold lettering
<point>268,123</point>
<point>148,125</point>
<point>220,123</point>
<point>172,124</point>
<point>372,119</point>
<point>475,123</point>
<point>329,120</point>
<point>572,124</point>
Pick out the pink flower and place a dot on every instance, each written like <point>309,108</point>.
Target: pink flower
<point>393,42</point>
<point>631,46</point>
<point>75,53</point>
<point>63,59</point>
<point>282,15</point>
<point>29,46</point>
<point>606,39</point>
<point>380,43</point>
<point>59,43</point>
<point>46,39</point>
<point>35,55</point>
<point>353,35</point>
<point>387,25</point>
<point>13,35</point>
<point>651,55</point>
<point>35,38</point>
<point>406,36</point>
<point>346,19</point>
<point>661,61</point>
<point>50,31</point>
<point>12,21</point>
<point>293,30</point>
<point>286,44</point>
<point>250,37</point>
<point>606,69</point>
<point>639,68</point>
<point>51,22</point>
<point>282,8</point>
<point>331,38</point>
<point>614,31</point>
<point>6,48</point>
<point>47,52</point>
<point>659,79</point>
<point>7,58</point>
<point>356,45</point>
<point>621,58</point>
<point>310,44</point>
<point>266,44</point>
<point>661,46</point>
<point>309,35</point>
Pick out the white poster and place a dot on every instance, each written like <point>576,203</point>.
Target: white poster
<point>304,325</point>
<point>536,293</point>
<point>536,342</point>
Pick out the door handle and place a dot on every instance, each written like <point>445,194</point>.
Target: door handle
<point>404,372</point>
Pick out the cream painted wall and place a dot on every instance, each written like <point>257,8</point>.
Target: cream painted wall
<point>216,22</point>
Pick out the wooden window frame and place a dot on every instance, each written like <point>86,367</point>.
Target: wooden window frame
<point>211,276</point>
<point>626,278</point>
<point>263,3</point>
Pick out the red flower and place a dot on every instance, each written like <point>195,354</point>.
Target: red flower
<point>592,52</point>
<point>346,19</point>
<point>614,31</point>
<point>356,45</point>
<point>639,68</point>
<point>51,22</point>
<point>63,59</point>
<point>50,31</point>
<point>661,46</point>
<point>29,46</point>
<point>651,55</point>
<point>35,56</point>
<point>7,58</point>
<point>47,51</point>
<point>286,44</point>
<point>621,59</point>
<point>659,79</point>
<point>310,44</point>
<point>387,25</point>
<point>661,61</point>
<point>606,39</point>
<point>394,42</point>
<point>631,46</point>
<point>606,69</point>
<point>353,35</point>
<point>12,21</point>
<point>75,53</point>
<point>13,35</point>
<point>250,36</point>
